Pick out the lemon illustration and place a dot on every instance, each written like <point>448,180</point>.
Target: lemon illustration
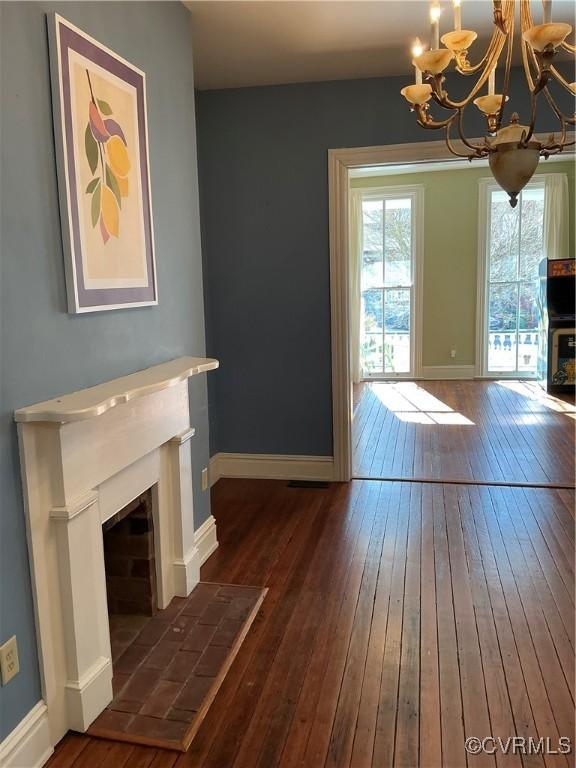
<point>122,185</point>
<point>110,214</point>
<point>118,156</point>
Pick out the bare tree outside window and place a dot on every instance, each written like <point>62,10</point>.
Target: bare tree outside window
<point>386,285</point>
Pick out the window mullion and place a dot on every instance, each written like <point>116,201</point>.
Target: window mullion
<point>383,284</point>
<point>518,257</point>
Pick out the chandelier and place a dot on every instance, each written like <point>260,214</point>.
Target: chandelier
<point>512,150</point>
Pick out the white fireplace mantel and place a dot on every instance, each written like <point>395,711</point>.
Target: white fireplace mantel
<point>84,456</point>
<point>87,403</point>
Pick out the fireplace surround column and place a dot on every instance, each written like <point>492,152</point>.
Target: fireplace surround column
<point>186,567</point>
<point>83,594</point>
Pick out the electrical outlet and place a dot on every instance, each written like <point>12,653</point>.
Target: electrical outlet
<point>205,479</point>
<point>9,664</point>
<point>452,353</point>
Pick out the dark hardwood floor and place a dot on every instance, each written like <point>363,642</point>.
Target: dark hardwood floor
<point>471,431</point>
<point>401,618</point>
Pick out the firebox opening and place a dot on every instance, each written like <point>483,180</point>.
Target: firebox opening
<point>130,567</point>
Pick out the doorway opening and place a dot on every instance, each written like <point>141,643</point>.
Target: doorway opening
<point>401,318</point>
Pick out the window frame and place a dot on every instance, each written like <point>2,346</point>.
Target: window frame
<point>486,186</point>
<point>415,192</point>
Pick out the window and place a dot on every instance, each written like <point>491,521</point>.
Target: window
<point>513,250</point>
<point>387,282</point>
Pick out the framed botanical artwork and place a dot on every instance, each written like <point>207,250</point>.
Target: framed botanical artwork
<point>101,135</point>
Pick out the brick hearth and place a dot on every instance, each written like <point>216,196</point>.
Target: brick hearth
<point>166,679</point>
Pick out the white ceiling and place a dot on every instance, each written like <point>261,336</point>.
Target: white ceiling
<point>239,43</point>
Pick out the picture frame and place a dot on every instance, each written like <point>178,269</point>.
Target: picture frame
<point>102,159</point>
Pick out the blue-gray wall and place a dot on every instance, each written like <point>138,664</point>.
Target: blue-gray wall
<point>45,351</point>
<point>264,206</point>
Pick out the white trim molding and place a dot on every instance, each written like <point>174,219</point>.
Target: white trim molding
<point>213,470</point>
<point>265,466</point>
<point>443,372</point>
<point>29,744</point>
<point>206,540</point>
<point>483,187</point>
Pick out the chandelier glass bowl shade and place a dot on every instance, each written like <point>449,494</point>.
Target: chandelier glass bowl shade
<point>512,150</point>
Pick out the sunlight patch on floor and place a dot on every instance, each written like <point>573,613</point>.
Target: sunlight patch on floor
<point>453,418</point>
<point>413,404</point>
<point>414,417</point>
<point>536,393</point>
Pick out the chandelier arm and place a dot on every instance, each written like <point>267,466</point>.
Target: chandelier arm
<point>500,16</point>
<point>554,148</point>
<point>560,79</point>
<point>475,147</point>
<point>556,74</point>
<point>526,23</point>
<point>554,145</point>
<point>451,148</point>
<point>565,45</point>
<point>556,151</point>
<point>508,65</point>
<point>526,18</point>
<point>526,13</point>
<point>425,121</point>
<point>501,31</point>
<point>570,119</point>
<point>454,151</point>
<point>441,97</point>
<point>490,60</point>
<point>526,63</point>
<point>533,104</point>
<point>535,87</point>
<point>465,68</point>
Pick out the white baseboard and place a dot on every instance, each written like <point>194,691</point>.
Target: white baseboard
<point>206,539</point>
<point>441,372</point>
<point>29,745</point>
<point>87,697</point>
<point>187,572</point>
<point>271,467</point>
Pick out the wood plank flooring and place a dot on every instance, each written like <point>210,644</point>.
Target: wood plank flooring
<point>470,431</point>
<point>401,618</point>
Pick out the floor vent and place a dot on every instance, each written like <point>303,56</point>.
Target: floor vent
<point>308,484</point>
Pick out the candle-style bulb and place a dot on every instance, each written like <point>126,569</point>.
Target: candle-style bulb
<point>456,4</point>
<point>417,48</point>
<point>435,25</point>
<point>435,12</point>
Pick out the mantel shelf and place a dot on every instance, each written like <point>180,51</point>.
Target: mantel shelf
<point>88,403</point>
